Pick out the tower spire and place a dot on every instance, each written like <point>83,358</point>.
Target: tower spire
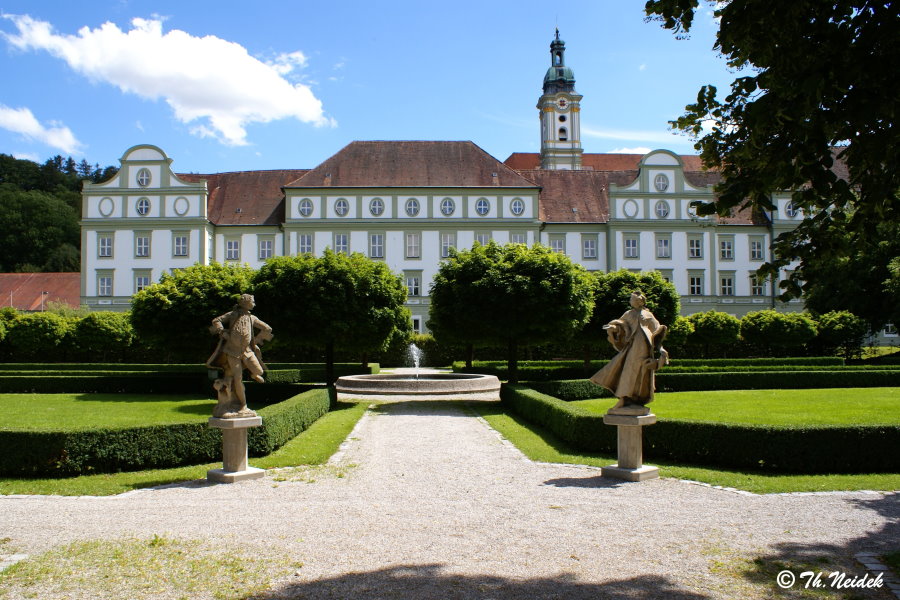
<point>560,113</point>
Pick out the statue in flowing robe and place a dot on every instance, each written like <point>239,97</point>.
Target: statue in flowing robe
<point>630,375</point>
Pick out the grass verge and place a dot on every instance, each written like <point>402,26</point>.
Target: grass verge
<point>313,446</point>
<point>50,412</point>
<point>158,567</point>
<point>540,445</point>
<point>844,406</point>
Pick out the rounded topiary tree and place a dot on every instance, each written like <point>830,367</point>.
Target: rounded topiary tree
<point>174,315</point>
<point>509,295</point>
<point>713,331</point>
<point>840,331</point>
<point>39,336</point>
<point>333,301</point>
<point>612,293</point>
<point>772,332</point>
<point>102,336</point>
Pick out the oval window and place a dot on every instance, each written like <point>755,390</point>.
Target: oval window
<point>305,207</point>
<point>341,207</point>
<point>483,206</point>
<point>517,206</point>
<point>661,182</point>
<point>448,206</point>
<point>143,206</point>
<point>376,207</point>
<point>662,209</point>
<point>412,207</point>
<point>143,177</point>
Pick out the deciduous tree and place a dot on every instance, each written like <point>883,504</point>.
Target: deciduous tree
<point>509,295</point>
<point>813,112</point>
<point>333,301</point>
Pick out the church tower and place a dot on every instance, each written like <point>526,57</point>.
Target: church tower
<point>560,113</point>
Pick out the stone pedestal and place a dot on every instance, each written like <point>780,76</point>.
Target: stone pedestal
<point>630,447</point>
<point>234,450</point>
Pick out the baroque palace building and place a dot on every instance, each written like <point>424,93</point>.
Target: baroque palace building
<point>408,202</point>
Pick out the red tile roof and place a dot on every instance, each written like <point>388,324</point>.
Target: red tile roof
<point>572,196</point>
<point>246,197</point>
<point>599,162</point>
<point>412,164</point>
<point>24,290</point>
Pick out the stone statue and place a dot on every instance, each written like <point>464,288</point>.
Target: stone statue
<point>638,337</point>
<point>237,349</point>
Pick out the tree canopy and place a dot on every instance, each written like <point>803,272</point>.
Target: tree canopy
<point>333,301</point>
<point>813,112</point>
<point>509,295</point>
<point>174,315</point>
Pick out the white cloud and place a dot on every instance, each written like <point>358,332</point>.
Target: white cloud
<point>635,150</point>
<point>26,156</point>
<point>642,67</point>
<point>206,79</point>
<point>55,135</point>
<point>139,125</point>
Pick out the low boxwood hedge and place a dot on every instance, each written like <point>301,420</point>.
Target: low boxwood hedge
<point>66,453</point>
<point>571,389</point>
<point>765,380</point>
<point>848,449</point>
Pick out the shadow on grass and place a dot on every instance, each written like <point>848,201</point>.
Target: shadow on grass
<point>429,581</point>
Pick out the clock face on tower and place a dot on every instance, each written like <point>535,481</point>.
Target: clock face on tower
<point>562,103</point>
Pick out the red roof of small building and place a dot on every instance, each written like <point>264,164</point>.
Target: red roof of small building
<point>25,290</point>
<point>246,197</point>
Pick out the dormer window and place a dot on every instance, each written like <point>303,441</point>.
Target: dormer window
<point>143,177</point>
<point>661,182</point>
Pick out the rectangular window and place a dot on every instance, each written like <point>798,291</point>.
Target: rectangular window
<point>305,243</point>
<point>417,324</point>
<point>180,245</point>
<point>341,243</point>
<point>726,287</point>
<point>517,238</point>
<point>211,247</point>
<point>104,245</point>
<point>756,250</point>
<point>448,240</point>
<point>558,244</point>
<point>588,248</point>
<point>140,282</point>
<point>104,285</point>
<point>757,286</point>
<point>483,238</point>
<point>266,248</point>
<point>726,249</point>
<point>631,247</point>
<point>376,245</point>
<point>232,250</point>
<point>142,246</point>
<point>695,285</point>
<point>413,245</point>
<point>695,247</point>
<point>663,248</point>
<point>890,330</point>
<point>412,285</point>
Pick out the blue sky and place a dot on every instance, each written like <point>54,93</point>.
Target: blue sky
<point>228,86</point>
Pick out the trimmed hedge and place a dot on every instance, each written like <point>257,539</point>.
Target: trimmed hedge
<point>66,453</point>
<point>571,389</point>
<point>282,422</point>
<point>848,449</point>
<point>823,361</point>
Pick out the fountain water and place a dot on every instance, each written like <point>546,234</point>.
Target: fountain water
<point>414,355</point>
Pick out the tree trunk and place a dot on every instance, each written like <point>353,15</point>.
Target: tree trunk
<point>513,361</point>
<point>329,363</point>
<point>586,355</point>
<point>470,355</point>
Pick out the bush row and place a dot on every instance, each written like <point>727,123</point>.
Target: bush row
<point>824,361</point>
<point>65,453</point>
<point>849,449</point>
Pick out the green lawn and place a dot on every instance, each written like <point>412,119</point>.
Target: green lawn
<point>540,445</point>
<point>842,406</point>
<point>50,412</point>
<point>313,446</point>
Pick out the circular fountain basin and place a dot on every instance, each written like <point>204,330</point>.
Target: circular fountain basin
<point>431,384</point>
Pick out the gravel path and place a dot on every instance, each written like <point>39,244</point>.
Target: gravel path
<point>424,500</point>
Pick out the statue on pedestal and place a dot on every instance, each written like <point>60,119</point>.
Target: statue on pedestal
<point>238,349</point>
<point>638,337</point>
